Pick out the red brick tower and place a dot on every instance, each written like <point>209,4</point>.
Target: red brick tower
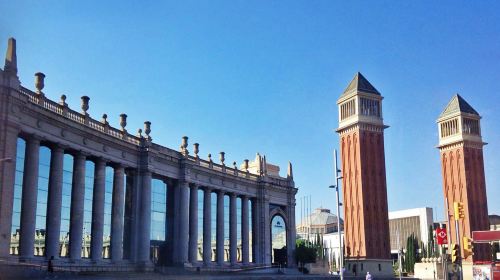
<point>361,130</point>
<point>461,149</point>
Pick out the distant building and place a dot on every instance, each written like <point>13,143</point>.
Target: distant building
<point>407,222</point>
<point>320,221</point>
<point>494,222</point>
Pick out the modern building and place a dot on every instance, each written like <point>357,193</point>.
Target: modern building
<point>366,221</point>
<point>404,223</point>
<point>89,194</point>
<point>320,221</point>
<point>462,163</point>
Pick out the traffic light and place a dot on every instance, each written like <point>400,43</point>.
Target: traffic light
<point>468,247</point>
<point>455,253</point>
<point>459,210</point>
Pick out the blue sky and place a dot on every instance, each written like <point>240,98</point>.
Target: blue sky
<point>264,76</point>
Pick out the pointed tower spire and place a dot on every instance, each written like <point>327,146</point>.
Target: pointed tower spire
<point>289,171</point>
<point>458,105</point>
<point>360,83</point>
<point>11,58</point>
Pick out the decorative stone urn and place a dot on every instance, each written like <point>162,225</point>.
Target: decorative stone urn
<point>39,81</point>
<point>123,121</point>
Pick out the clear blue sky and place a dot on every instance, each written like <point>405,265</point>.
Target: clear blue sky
<point>264,76</point>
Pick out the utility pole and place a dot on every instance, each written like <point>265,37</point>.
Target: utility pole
<point>399,255</point>
<point>337,191</point>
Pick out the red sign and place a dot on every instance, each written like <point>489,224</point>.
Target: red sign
<point>486,236</point>
<point>442,236</point>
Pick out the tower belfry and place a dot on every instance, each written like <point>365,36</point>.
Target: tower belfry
<point>461,150</point>
<point>361,130</point>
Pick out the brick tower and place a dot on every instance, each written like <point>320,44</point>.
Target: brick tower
<point>361,129</point>
<point>461,149</point>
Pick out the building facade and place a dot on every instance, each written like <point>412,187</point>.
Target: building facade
<point>86,193</point>
<point>320,221</point>
<point>461,150</point>
<point>404,223</point>
<point>366,221</point>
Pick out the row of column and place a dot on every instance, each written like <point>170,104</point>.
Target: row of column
<point>207,230</point>
<point>54,201</point>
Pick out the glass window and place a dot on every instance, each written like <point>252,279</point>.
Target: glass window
<point>87,208</point>
<point>18,190</point>
<point>108,200</point>
<point>213,225</point>
<point>226,228</point>
<point>238,229</point>
<point>158,209</point>
<point>278,233</point>
<point>66,205</point>
<point>250,228</point>
<point>41,203</point>
<point>200,224</point>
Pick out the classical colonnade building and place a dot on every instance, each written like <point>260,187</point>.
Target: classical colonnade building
<point>86,193</point>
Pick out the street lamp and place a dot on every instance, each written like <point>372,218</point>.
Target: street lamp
<point>337,191</point>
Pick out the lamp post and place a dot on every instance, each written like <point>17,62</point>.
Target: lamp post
<point>337,191</point>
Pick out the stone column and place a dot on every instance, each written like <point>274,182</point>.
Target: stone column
<point>244,230</point>
<point>266,232</point>
<point>176,222</point>
<point>117,214</point>
<point>233,239</point>
<point>290,239</point>
<point>220,227</point>
<point>256,243</point>
<point>183,222</point>
<point>193,224</point>
<point>145,218</point>
<point>76,214</point>
<point>29,196</point>
<point>8,149</point>
<point>54,202</point>
<point>98,210</point>
<point>207,230</point>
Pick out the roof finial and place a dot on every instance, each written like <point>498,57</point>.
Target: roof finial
<point>289,171</point>
<point>11,58</point>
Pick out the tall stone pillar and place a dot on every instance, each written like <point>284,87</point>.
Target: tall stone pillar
<point>220,227</point>
<point>193,224</point>
<point>256,243</point>
<point>145,218</point>
<point>98,210</point>
<point>29,197</point>
<point>8,149</point>
<point>207,230</point>
<point>291,231</point>
<point>183,222</point>
<point>233,239</point>
<point>117,214</point>
<point>76,214</point>
<point>244,230</point>
<point>54,202</point>
<point>266,232</point>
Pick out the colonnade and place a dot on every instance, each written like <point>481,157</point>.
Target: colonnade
<point>30,184</point>
<point>207,229</point>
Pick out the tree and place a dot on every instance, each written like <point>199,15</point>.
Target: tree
<point>411,255</point>
<point>304,252</point>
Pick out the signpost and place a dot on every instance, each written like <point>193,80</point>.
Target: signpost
<point>442,236</point>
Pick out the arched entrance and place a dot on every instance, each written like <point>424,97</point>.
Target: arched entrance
<point>278,240</point>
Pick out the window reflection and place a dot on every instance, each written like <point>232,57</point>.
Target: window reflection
<point>238,229</point>
<point>108,200</point>
<point>87,208</point>
<point>213,225</point>
<point>18,190</point>
<point>278,235</point>
<point>158,218</point>
<point>41,203</point>
<point>200,224</point>
<point>226,228</point>
<point>66,205</point>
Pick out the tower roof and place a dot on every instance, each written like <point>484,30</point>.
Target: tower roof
<point>360,83</point>
<point>458,104</point>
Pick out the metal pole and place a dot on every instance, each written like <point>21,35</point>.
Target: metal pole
<point>459,250</point>
<point>337,191</point>
<point>399,255</point>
